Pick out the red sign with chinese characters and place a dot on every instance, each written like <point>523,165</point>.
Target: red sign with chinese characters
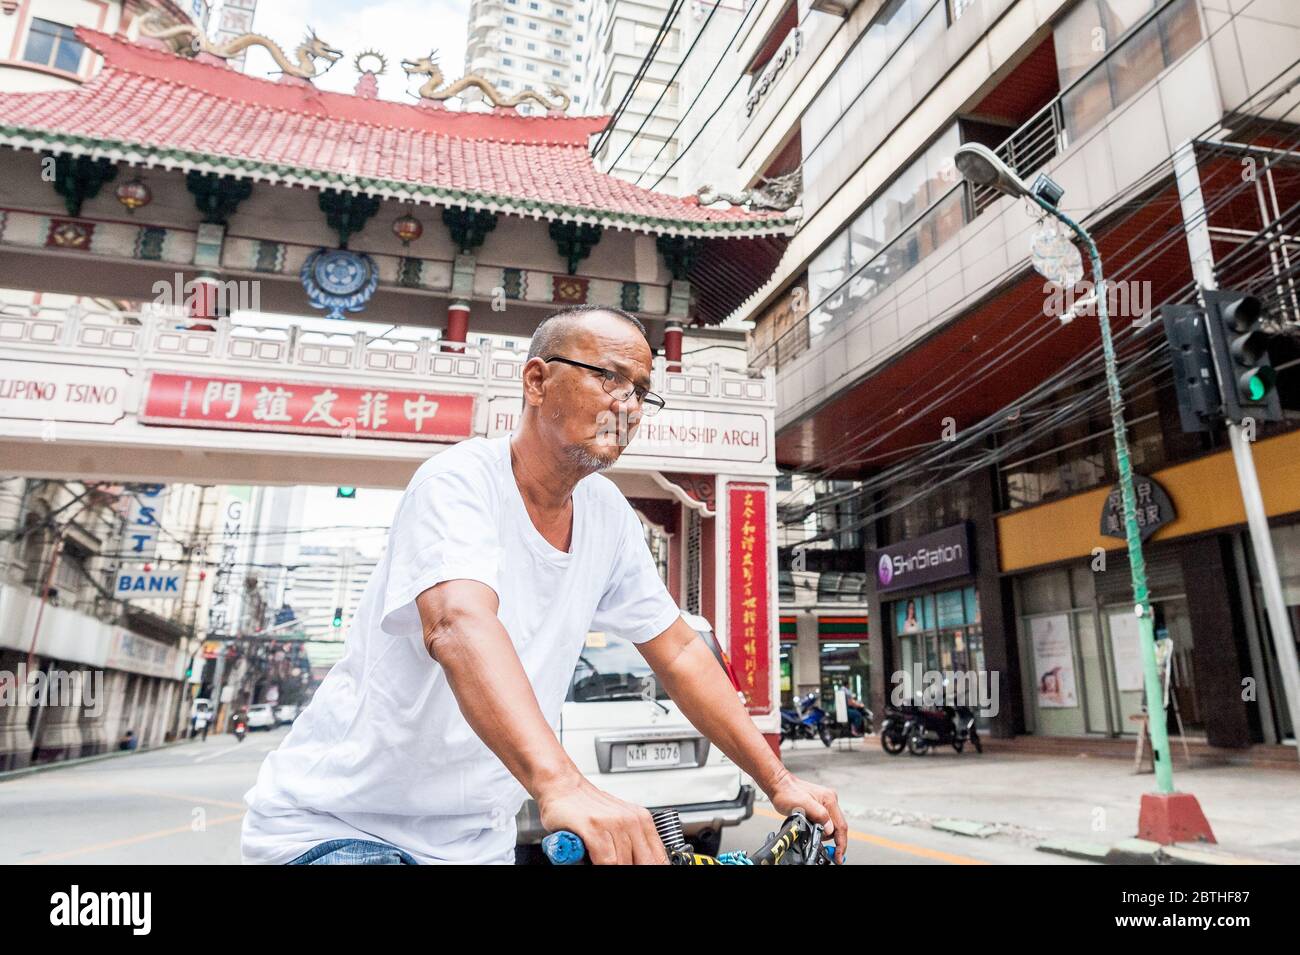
<point>245,404</point>
<point>749,597</point>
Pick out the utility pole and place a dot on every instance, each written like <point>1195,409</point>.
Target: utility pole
<point>1196,227</point>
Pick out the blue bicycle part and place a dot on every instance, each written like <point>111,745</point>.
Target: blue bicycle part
<point>564,848</point>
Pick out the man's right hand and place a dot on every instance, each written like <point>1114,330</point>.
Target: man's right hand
<point>615,832</point>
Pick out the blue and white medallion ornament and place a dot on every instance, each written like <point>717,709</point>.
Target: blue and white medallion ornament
<point>339,280</point>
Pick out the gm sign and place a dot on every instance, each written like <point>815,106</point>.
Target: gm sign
<point>923,560</point>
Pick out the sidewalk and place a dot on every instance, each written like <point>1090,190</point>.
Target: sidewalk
<point>1035,799</point>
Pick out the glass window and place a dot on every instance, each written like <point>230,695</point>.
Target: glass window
<point>609,669</point>
<point>53,44</point>
<point>1087,103</point>
<point>510,20</point>
<point>1136,63</point>
<point>1045,592</point>
<point>1180,29</point>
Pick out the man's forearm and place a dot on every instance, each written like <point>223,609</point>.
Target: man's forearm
<point>496,699</point>
<point>706,697</point>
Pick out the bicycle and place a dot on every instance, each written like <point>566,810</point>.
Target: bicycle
<point>797,842</point>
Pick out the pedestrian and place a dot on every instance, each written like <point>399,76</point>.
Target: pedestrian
<point>423,741</point>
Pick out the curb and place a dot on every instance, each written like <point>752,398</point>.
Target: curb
<point>1145,852</point>
<point>83,760</point>
<point>1087,851</point>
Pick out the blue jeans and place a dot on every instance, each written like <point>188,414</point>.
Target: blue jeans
<point>353,852</point>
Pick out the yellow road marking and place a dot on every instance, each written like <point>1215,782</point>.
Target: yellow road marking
<point>130,840</point>
<point>907,847</point>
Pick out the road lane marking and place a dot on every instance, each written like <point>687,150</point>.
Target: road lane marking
<point>881,841</point>
<point>84,784</point>
<point>237,747</point>
<point>129,840</point>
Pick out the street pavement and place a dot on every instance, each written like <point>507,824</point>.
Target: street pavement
<point>182,804</point>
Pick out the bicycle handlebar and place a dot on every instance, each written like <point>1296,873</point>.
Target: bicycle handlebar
<point>567,848</point>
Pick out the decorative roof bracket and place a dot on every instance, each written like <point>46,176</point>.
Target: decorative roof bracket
<point>217,197</point>
<point>574,241</point>
<point>347,213</point>
<point>469,227</point>
<point>78,178</point>
<point>679,252</point>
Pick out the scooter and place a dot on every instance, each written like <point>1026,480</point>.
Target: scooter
<point>953,725</point>
<point>894,729</point>
<point>241,729</point>
<point>809,721</point>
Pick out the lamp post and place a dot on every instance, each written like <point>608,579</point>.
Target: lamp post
<point>1169,816</point>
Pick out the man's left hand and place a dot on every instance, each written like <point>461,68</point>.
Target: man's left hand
<point>819,804</point>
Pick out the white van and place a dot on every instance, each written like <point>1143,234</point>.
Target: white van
<point>630,740</point>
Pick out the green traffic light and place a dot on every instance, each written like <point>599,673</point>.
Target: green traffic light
<point>1257,383</point>
<point>348,492</point>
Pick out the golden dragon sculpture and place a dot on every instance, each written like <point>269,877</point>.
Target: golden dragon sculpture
<point>433,89</point>
<point>189,40</point>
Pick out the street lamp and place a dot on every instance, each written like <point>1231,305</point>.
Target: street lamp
<point>1166,814</point>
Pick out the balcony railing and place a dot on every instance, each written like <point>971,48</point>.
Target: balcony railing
<point>1028,149</point>
<point>1038,141</point>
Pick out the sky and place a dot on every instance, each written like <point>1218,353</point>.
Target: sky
<point>398,29</point>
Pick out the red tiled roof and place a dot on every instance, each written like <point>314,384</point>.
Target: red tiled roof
<point>148,105</point>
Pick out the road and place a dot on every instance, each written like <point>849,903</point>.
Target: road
<point>182,805</point>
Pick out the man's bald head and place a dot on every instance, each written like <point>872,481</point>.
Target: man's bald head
<point>554,333</point>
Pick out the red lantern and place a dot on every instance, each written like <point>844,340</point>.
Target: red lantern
<point>408,229</point>
<point>134,194</point>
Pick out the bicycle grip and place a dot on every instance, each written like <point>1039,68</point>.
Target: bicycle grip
<point>564,848</point>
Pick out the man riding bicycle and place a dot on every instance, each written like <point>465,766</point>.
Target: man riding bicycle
<point>423,741</point>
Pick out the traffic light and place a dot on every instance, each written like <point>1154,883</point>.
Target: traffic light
<point>1247,381</point>
<point>338,616</point>
<point>1199,403</point>
<point>347,492</point>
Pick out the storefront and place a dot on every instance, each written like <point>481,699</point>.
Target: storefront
<point>1081,668</point>
<point>931,608</point>
<point>821,652</point>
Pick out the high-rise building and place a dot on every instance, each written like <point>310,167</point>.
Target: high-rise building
<point>522,45</point>
<point>920,354</point>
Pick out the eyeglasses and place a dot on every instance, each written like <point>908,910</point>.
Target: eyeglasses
<point>619,386</point>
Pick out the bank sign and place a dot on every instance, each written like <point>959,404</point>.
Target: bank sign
<point>923,560</point>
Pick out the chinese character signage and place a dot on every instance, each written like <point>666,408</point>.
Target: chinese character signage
<point>1153,509</point>
<point>243,404</point>
<point>748,593</point>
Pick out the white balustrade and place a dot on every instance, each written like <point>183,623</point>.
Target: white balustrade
<point>169,341</point>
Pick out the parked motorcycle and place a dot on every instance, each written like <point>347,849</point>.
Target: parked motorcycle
<point>947,725</point>
<point>894,730</point>
<point>808,721</point>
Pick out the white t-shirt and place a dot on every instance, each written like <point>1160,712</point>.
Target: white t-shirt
<point>383,752</point>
